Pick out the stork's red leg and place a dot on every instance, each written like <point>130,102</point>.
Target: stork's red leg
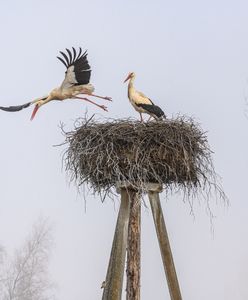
<point>101,106</point>
<point>141,118</point>
<point>105,98</point>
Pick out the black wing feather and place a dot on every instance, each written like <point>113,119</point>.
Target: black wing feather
<point>74,53</point>
<point>152,109</point>
<point>62,61</point>
<point>66,58</point>
<point>15,108</point>
<point>81,65</point>
<point>82,69</point>
<point>80,51</point>
<point>70,55</point>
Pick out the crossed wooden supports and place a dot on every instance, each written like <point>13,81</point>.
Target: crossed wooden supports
<point>127,240</point>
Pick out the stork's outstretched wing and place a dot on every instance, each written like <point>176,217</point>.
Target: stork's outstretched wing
<point>15,108</point>
<point>78,69</point>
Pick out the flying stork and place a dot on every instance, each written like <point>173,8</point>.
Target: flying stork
<point>77,78</point>
<point>140,102</point>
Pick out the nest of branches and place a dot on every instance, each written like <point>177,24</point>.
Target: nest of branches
<point>173,153</point>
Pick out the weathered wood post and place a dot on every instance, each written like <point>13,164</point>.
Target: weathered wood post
<point>114,279</point>
<point>133,250</point>
<point>133,241</point>
<point>164,243</point>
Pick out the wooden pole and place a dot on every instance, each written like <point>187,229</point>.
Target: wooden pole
<point>133,248</point>
<point>164,243</point>
<point>114,279</point>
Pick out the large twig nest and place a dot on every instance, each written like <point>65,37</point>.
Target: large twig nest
<point>173,153</point>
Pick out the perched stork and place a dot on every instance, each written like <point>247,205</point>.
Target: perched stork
<point>140,102</point>
<point>77,78</point>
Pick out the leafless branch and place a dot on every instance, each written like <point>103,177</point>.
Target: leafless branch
<point>26,275</point>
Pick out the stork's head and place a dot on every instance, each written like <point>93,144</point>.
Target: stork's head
<point>131,75</point>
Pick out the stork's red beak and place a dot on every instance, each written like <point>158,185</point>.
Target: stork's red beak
<point>34,112</point>
<point>128,77</point>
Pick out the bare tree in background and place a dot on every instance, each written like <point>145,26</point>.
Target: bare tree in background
<point>25,276</point>
<point>1,255</point>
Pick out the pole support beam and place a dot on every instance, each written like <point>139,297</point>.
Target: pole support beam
<point>164,243</point>
<point>114,279</point>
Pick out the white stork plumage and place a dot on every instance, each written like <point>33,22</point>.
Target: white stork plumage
<point>140,102</point>
<point>76,82</point>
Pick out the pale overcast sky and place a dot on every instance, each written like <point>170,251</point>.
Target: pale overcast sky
<point>190,57</point>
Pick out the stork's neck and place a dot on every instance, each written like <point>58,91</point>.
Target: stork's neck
<point>131,88</point>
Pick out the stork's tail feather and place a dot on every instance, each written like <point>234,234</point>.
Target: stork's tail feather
<point>158,112</point>
<point>34,112</point>
<point>163,117</point>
